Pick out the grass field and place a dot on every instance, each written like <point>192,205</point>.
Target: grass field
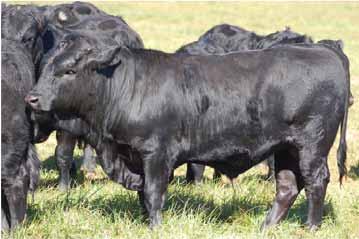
<point>102,209</point>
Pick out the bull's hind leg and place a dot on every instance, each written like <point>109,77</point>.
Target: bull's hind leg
<point>157,175</point>
<point>315,172</point>
<point>288,186</point>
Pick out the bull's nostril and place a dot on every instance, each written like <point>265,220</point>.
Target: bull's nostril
<point>32,100</point>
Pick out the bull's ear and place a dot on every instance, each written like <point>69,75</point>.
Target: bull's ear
<point>105,57</point>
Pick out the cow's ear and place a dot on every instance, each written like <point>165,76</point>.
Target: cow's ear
<point>340,43</point>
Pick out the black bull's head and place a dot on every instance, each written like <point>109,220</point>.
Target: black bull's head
<point>65,85</point>
<point>68,86</point>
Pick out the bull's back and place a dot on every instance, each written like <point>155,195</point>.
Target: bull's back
<point>304,82</point>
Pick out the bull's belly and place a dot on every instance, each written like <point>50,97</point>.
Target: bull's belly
<point>231,159</point>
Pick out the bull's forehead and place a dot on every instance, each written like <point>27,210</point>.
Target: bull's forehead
<point>71,50</point>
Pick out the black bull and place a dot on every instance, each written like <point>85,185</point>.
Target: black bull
<point>229,112</point>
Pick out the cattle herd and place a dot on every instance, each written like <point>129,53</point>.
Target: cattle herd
<point>229,100</point>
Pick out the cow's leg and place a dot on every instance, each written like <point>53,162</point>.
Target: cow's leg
<point>194,173</point>
<point>5,214</point>
<point>5,225</point>
<point>217,176</point>
<point>271,170</point>
<point>89,161</point>
<point>316,176</point>
<point>64,157</point>
<point>157,175</point>
<point>288,185</point>
<point>16,196</point>
<point>141,199</point>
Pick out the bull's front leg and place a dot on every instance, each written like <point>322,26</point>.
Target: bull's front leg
<point>157,175</point>
<point>64,157</point>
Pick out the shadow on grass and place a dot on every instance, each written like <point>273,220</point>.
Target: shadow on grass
<point>354,172</point>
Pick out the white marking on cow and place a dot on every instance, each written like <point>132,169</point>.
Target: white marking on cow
<point>62,16</point>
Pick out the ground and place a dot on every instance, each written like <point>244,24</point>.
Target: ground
<point>102,209</point>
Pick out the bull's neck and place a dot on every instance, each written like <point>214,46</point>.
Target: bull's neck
<point>90,107</point>
<point>106,106</point>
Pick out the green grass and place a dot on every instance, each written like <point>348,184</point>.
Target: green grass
<point>102,209</point>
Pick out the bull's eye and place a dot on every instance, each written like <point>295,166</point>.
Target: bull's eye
<point>70,72</point>
<point>27,40</point>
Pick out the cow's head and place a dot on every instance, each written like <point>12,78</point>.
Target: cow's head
<point>65,15</point>
<point>24,24</point>
<point>70,81</point>
<point>283,37</point>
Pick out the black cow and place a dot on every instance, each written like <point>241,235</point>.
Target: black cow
<point>223,39</point>
<point>24,25</point>
<point>20,166</point>
<point>84,16</point>
<point>224,111</point>
<point>16,26</point>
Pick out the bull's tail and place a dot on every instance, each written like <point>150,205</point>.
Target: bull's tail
<point>33,166</point>
<point>342,150</point>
